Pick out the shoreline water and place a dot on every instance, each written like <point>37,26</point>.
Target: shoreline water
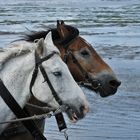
<point>112,27</point>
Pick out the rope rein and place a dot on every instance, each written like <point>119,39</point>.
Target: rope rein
<point>34,117</point>
<point>42,116</point>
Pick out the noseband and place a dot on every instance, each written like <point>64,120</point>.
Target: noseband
<point>90,82</point>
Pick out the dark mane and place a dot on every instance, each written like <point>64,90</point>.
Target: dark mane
<point>33,35</point>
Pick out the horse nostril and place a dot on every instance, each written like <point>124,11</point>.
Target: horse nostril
<point>115,83</point>
<point>84,109</point>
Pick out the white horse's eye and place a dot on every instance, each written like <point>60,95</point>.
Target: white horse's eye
<point>57,73</point>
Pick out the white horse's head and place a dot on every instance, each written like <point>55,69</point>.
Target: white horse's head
<point>66,88</point>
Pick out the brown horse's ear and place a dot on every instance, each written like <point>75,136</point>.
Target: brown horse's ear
<point>61,29</point>
<point>62,22</point>
<point>58,23</point>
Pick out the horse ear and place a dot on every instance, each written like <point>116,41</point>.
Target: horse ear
<point>40,46</point>
<point>61,29</point>
<point>62,22</point>
<point>48,39</point>
<point>58,23</point>
<point>49,44</point>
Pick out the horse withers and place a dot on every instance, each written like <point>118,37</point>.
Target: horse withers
<point>17,67</point>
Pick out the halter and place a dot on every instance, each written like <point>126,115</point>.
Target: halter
<point>23,113</point>
<point>38,65</point>
<point>90,82</point>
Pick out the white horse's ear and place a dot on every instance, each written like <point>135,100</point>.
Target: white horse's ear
<point>49,44</point>
<point>48,39</point>
<point>40,46</point>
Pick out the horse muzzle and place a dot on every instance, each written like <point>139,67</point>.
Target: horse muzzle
<point>108,85</point>
<point>75,114</point>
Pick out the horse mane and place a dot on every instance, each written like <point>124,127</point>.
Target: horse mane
<point>33,35</point>
<point>16,49</point>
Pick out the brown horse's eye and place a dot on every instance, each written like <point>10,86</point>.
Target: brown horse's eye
<point>84,53</point>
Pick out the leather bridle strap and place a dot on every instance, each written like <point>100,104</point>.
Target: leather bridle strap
<point>46,79</point>
<point>38,65</point>
<point>59,117</point>
<point>86,76</point>
<point>94,82</point>
<point>20,113</point>
<point>38,61</point>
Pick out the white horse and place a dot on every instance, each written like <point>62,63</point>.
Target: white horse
<point>16,67</point>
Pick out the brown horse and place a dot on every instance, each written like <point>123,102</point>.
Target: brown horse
<point>86,66</point>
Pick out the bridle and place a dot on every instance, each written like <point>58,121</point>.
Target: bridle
<point>38,66</point>
<point>90,82</point>
<point>23,113</point>
<point>63,107</point>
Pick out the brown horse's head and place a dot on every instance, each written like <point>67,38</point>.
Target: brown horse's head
<point>92,67</point>
<point>83,61</point>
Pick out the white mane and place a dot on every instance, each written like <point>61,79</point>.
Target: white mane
<point>14,50</point>
<point>20,48</point>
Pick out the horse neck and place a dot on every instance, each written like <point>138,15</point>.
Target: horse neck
<point>16,76</point>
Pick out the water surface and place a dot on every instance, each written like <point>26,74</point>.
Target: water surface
<point>113,28</point>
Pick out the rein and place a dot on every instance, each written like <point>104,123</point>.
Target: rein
<point>20,113</point>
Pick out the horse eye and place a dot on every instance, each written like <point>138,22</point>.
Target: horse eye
<point>58,73</point>
<point>84,53</point>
